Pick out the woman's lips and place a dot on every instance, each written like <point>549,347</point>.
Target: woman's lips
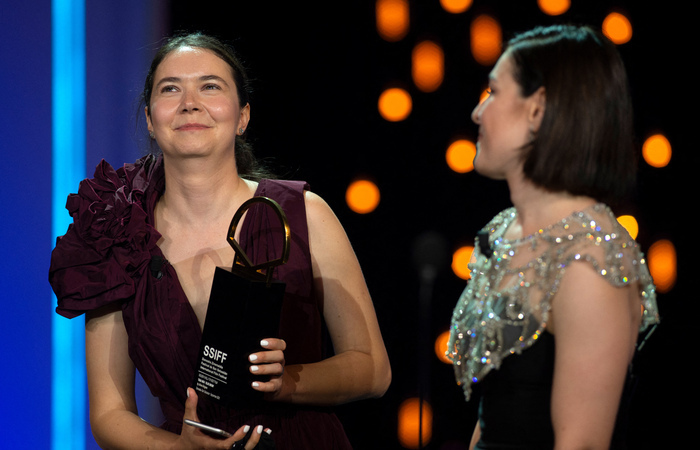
<point>192,127</point>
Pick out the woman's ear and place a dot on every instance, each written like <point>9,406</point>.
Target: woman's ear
<point>538,104</point>
<point>148,120</point>
<point>244,117</point>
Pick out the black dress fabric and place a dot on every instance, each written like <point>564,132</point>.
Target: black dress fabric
<point>514,411</point>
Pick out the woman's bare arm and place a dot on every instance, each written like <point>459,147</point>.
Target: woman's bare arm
<point>360,368</point>
<point>113,414</point>
<point>595,326</point>
<point>476,435</point>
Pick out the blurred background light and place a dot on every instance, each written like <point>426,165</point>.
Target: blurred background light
<point>656,151</point>
<point>392,18</point>
<point>415,423</point>
<point>395,104</point>
<point>455,6</point>
<point>630,224</point>
<point>486,39</point>
<point>484,95</point>
<point>460,156</point>
<point>362,196</point>
<point>460,259</point>
<point>662,262</point>
<point>427,66</point>
<point>441,346</point>
<point>554,7</point>
<point>617,28</point>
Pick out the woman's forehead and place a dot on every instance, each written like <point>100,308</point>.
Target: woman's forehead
<point>193,60</point>
<point>503,67</point>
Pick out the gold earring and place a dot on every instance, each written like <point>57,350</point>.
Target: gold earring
<point>152,134</point>
<point>240,131</point>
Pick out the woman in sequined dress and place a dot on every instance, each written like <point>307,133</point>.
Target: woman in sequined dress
<point>559,291</point>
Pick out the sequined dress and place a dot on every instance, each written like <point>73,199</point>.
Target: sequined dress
<point>498,331</point>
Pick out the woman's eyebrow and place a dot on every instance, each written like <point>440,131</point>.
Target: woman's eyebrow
<point>214,78</point>
<point>168,80</point>
<point>202,78</point>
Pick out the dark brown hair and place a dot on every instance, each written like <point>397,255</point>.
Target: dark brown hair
<point>585,144</point>
<point>248,166</point>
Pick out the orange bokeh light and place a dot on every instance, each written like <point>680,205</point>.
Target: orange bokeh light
<point>392,19</point>
<point>617,28</point>
<point>410,421</point>
<point>460,156</point>
<point>656,151</point>
<point>428,66</point>
<point>662,262</point>
<point>395,104</point>
<point>484,95</point>
<point>362,196</point>
<point>441,347</point>
<point>460,258</point>
<point>456,6</point>
<point>630,224</point>
<point>554,7</point>
<point>486,39</point>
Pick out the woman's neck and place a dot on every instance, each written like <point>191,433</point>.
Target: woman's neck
<point>538,208</point>
<point>199,191</point>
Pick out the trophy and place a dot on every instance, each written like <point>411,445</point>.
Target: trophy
<point>244,308</point>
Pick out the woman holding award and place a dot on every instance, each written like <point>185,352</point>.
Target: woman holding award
<point>140,257</point>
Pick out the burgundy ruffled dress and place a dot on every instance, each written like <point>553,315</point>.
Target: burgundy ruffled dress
<point>109,254</point>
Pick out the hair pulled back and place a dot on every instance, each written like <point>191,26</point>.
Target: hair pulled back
<point>248,166</point>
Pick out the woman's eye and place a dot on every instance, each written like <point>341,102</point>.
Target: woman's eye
<point>211,87</point>
<point>168,89</point>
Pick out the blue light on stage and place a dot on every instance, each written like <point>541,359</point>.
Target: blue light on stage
<point>68,168</point>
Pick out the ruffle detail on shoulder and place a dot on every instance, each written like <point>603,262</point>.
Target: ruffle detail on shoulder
<point>109,244</point>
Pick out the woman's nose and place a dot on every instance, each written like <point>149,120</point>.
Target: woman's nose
<point>189,101</point>
<point>476,113</point>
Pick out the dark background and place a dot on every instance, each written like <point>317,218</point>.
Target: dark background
<point>319,68</point>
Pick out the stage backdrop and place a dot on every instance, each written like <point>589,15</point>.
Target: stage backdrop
<point>25,202</point>
<point>117,41</point>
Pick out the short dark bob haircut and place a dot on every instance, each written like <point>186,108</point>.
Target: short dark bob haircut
<point>248,166</point>
<point>585,144</point>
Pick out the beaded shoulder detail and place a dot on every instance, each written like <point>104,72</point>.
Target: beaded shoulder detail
<point>505,305</point>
